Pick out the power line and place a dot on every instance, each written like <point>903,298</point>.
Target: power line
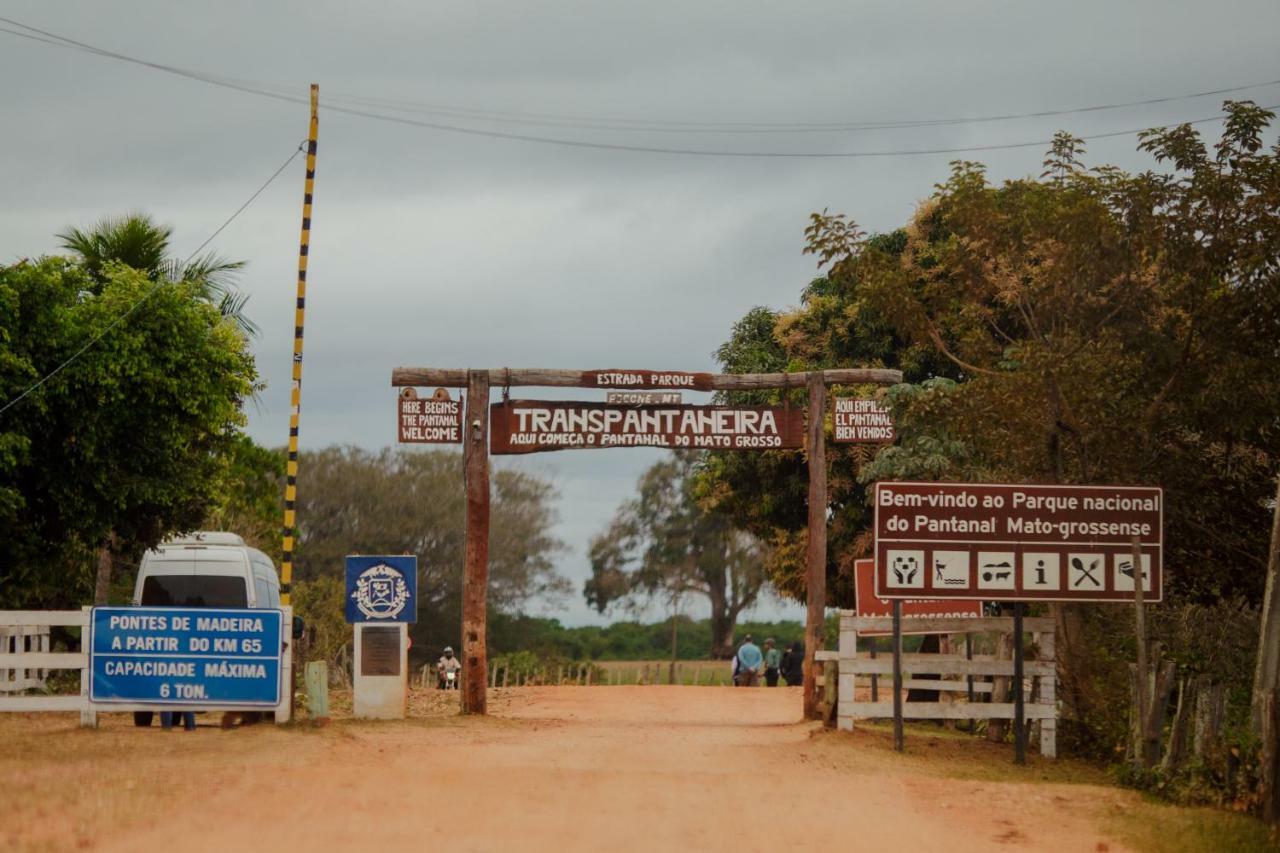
<point>262,90</point>
<point>707,127</point>
<point>150,291</point>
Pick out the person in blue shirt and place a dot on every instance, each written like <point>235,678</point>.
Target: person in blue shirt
<point>747,663</point>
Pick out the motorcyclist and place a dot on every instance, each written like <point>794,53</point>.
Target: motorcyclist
<point>447,663</point>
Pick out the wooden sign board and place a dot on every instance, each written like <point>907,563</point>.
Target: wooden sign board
<point>429,420</point>
<point>531,426</point>
<point>644,398</point>
<point>860,421</point>
<point>1017,543</point>
<point>872,606</point>
<point>657,380</point>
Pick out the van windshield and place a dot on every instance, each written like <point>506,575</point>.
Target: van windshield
<point>194,591</point>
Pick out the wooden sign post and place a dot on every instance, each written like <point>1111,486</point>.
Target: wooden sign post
<point>475,579</point>
<point>816,550</point>
<point>719,427</point>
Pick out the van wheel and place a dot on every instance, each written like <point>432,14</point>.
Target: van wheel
<point>142,719</point>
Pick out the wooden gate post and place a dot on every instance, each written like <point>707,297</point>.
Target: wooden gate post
<point>475,582</point>
<point>816,556</point>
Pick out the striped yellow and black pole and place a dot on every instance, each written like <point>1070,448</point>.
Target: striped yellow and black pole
<point>295,399</point>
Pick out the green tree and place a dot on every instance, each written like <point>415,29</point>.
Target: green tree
<point>398,501</point>
<point>1088,325</point>
<point>767,493</point>
<point>137,241</point>
<point>250,496</point>
<point>128,440</point>
<point>666,543</point>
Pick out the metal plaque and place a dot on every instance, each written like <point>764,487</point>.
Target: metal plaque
<point>380,650</point>
<point>644,398</point>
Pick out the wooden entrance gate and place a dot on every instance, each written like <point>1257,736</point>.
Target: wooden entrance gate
<point>476,449</point>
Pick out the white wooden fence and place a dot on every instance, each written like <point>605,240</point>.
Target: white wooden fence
<point>15,623</point>
<point>950,673</point>
<point>33,663</point>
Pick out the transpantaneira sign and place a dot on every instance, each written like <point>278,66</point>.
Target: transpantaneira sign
<point>871,606</point>
<point>860,421</point>
<point>430,420</point>
<point>529,426</point>
<point>1017,542</point>
<point>658,380</point>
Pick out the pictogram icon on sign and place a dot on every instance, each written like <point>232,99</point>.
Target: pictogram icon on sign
<point>1123,576</point>
<point>950,568</point>
<point>1086,571</point>
<point>1041,571</point>
<point>906,569</point>
<point>995,570</point>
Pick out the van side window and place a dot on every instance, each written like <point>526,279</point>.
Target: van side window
<point>262,591</point>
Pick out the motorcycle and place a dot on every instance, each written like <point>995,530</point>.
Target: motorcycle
<point>447,679</point>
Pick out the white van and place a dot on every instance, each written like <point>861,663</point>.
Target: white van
<point>207,569</point>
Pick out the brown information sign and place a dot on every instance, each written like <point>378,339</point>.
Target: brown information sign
<point>860,421</point>
<point>657,380</point>
<point>530,426</point>
<point>871,606</point>
<point>430,420</point>
<point>1017,543</point>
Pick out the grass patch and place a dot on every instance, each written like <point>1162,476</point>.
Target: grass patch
<point>1163,828</point>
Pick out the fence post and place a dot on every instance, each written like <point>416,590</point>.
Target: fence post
<point>897,675</point>
<point>1019,706</point>
<point>316,680</point>
<point>88,713</point>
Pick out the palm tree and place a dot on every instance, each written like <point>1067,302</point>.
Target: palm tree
<point>137,241</point>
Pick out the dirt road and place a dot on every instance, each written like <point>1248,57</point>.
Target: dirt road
<point>553,769</point>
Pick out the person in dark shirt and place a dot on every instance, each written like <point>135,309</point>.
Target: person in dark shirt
<point>793,665</point>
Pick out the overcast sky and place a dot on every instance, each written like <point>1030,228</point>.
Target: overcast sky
<point>432,248</point>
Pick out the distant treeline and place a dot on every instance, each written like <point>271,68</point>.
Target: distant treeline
<point>547,638</point>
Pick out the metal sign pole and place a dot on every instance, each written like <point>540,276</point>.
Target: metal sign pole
<point>897,675</point>
<point>1019,709</point>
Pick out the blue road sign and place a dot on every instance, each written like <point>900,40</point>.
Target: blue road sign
<point>382,589</point>
<point>185,656</point>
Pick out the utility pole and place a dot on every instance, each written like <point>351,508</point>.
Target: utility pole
<point>295,398</point>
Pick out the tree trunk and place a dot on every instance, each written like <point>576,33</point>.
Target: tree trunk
<point>102,586</point>
<point>722,624</point>
<point>1266,674</point>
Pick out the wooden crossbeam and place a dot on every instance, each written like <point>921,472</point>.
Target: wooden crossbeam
<point>430,377</point>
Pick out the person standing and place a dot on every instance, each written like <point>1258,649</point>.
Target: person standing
<point>772,663</point>
<point>793,665</point>
<point>748,661</point>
